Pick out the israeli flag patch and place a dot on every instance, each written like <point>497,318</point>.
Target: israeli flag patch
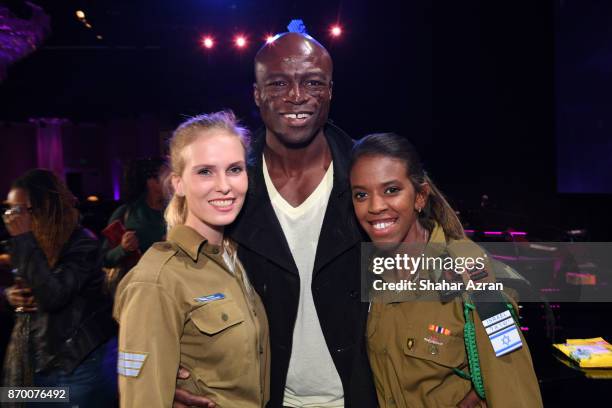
<point>210,298</point>
<point>503,333</point>
<point>130,364</point>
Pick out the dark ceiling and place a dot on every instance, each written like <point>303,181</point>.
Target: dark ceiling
<point>470,82</point>
<point>149,60</point>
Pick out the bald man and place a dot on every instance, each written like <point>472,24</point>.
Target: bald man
<point>298,239</point>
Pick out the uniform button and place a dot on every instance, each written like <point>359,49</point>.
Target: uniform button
<point>384,350</point>
<point>224,317</point>
<point>410,344</point>
<point>215,251</point>
<point>433,349</point>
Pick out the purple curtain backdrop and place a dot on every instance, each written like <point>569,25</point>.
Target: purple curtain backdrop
<point>49,147</point>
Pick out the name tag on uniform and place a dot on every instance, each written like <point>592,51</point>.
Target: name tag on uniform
<point>499,324</point>
<point>210,298</point>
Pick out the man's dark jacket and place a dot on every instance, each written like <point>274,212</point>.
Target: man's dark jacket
<point>265,254</point>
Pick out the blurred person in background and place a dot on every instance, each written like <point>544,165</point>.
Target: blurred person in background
<point>140,220</point>
<point>63,327</point>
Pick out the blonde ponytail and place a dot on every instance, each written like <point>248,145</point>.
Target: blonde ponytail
<point>176,211</point>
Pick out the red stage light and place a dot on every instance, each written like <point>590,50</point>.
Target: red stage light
<point>240,41</point>
<point>336,31</point>
<point>208,42</point>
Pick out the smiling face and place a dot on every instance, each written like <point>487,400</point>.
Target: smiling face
<point>385,199</point>
<point>293,88</point>
<point>214,182</point>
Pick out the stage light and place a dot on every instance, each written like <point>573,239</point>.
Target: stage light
<point>240,41</point>
<point>87,25</point>
<point>336,31</point>
<point>208,42</point>
<point>99,37</point>
<point>270,38</point>
<point>93,199</point>
<point>80,14</point>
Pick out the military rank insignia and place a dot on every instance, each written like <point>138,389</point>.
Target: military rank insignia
<point>130,364</point>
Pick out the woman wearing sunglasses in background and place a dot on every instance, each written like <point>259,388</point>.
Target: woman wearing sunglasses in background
<point>63,322</point>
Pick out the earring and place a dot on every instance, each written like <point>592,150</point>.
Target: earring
<point>418,209</point>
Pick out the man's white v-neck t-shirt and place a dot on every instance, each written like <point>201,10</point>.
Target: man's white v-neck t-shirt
<point>312,379</point>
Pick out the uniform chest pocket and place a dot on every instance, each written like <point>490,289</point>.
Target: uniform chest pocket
<point>447,351</point>
<point>434,357</point>
<point>217,344</point>
<point>217,317</point>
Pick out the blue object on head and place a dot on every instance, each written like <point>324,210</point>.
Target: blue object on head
<point>297,26</point>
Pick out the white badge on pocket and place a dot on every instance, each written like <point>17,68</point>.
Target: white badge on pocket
<point>210,298</point>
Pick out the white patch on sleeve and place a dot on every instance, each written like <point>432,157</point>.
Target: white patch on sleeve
<point>130,364</point>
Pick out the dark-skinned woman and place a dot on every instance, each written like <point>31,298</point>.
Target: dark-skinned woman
<point>432,353</point>
<point>63,326</point>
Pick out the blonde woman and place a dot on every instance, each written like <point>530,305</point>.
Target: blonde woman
<point>188,302</point>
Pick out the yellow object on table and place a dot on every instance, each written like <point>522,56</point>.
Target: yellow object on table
<point>588,353</point>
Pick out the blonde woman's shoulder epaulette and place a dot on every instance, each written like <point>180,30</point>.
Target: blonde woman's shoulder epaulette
<point>153,261</point>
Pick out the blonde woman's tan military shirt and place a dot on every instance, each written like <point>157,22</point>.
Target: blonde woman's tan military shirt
<point>183,305</point>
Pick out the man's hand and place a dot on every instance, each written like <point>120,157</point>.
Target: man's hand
<point>17,223</point>
<point>21,298</point>
<point>129,241</point>
<point>472,400</point>
<point>185,399</point>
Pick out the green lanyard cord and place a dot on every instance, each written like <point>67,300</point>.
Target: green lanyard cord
<point>469,335</point>
<point>513,312</point>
